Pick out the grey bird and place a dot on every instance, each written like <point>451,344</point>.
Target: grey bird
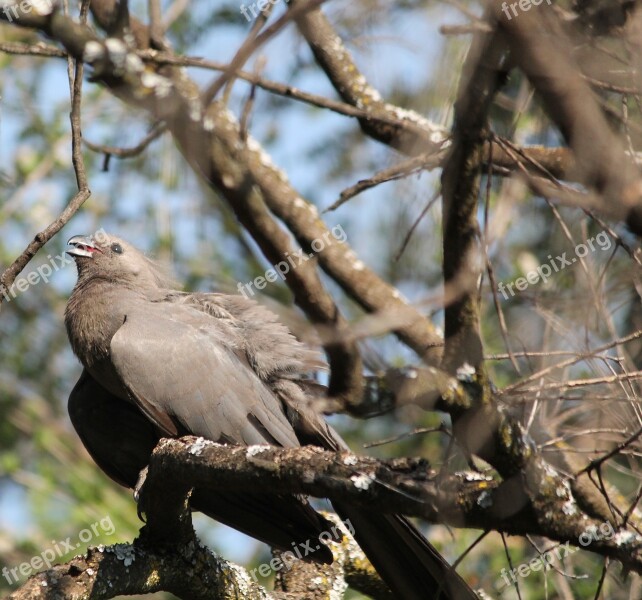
<point>164,363</point>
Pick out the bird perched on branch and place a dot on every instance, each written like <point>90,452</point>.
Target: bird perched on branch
<point>163,363</point>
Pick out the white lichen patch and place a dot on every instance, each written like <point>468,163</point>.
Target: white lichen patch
<point>411,373</point>
<point>569,507</point>
<point>397,294</point>
<point>130,41</point>
<point>623,538</point>
<point>335,47</point>
<point>350,460</point>
<point>372,94</point>
<point>125,552</point>
<point>437,135</point>
<point>42,7</point>
<point>133,64</point>
<point>485,499</point>
<point>256,449</point>
<point>208,124</point>
<point>474,476</point>
<point>358,265</point>
<point>117,53</point>
<point>465,372</point>
<point>161,86</point>
<point>196,447</point>
<point>195,110</point>
<point>339,587</point>
<point>264,158</point>
<point>228,180</point>
<point>563,490</point>
<point>243,582</point>
<point>93,51</point>
<point>362,481</point>
<point>228,115</point>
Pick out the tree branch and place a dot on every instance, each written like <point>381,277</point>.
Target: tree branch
<point>75,82</point>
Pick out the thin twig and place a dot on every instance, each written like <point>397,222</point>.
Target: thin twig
<point>39,49</point>
<point>413,227</point>
<point>489,267</point>
<point>156,31</point>
<point>596,463</point>
<point>600,583</point>
<point>581,382</point>
<point>249,104</point>
<point>469,549</point>
<point>133,151</point>
<point>510,564</point>
<point>625,340</point>
<point>75,71</point>
<point>260,21</point>
<point>467,29</point>
<point>421,430</point>
<point>428,161</point>
<point>253,43</point>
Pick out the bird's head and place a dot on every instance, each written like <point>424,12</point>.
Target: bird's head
<point>106,256</point>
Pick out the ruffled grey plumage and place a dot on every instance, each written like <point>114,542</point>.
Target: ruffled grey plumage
<point>161,362</point>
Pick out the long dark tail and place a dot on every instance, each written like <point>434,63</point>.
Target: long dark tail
<point>406,561</point>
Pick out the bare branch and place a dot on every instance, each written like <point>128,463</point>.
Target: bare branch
<point>9,275</point>
<point>133,151</point>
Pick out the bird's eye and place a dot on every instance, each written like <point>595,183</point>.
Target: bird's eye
<point>117,248</point>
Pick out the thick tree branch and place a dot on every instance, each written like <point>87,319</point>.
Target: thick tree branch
<point>188,571</point>
<point>557,162</point>
<point>414,136</point>
<point>600,167</point>
<point>168,557</point>
<point>404,485</point>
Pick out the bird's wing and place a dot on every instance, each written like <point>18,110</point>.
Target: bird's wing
<point>269,346</point>
<point>186,373</point>
<point>96,414</point>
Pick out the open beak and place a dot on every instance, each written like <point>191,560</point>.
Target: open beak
<point>83,245</point>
